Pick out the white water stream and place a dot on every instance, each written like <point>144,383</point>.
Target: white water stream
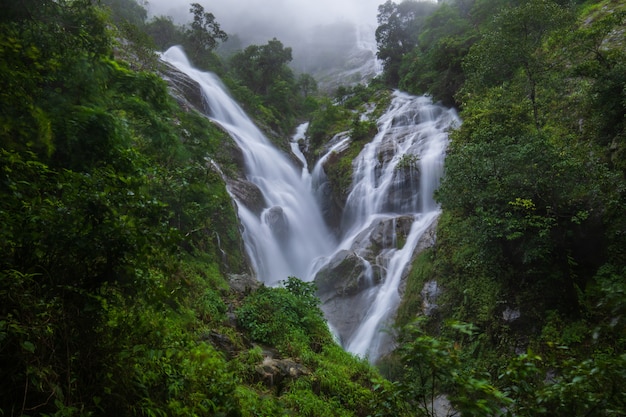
<point>290,232</point>
<point>394,176</point>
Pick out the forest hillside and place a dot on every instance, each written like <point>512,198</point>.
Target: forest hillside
<point>125,288</point>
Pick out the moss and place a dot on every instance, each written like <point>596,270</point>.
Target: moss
<point>339,170</point>
<point>422,270</point>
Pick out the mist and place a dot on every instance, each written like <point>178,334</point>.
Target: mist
<point>330,39</point>
<point>273,18</point>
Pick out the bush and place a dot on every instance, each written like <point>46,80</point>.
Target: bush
<point>287,317</point>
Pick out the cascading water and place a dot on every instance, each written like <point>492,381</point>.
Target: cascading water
<point>290,231</point>
<point>394,178</point>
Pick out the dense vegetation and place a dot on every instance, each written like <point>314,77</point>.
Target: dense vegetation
<point>121,258</point>
<point>530,247</point>
<point>118,239</point>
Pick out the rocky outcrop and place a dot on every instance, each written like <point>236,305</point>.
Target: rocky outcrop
<point>346,284</point>
<point>243,283</point>
<point>188,94</point>
<point>247,194</point>
<point>345,275</point>
<point>221,342</point>
<point>388,233</point>
<point>359,268</point>
<point>274,372</point>
<point>185,91</point>
<point>277,221</point>
<point>430,292</point>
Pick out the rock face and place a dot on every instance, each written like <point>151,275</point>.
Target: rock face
<point>429,294</point>
<point>331,205</point>
<point>277,220</point>
<point>359,268</point>
<point>185,90</point>
<point>247,194</point>
<point>242,283</point>
<point>347,283</point>
<point>188,94</point>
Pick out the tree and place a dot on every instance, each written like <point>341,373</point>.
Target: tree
<point>204,33</point>
<point>434,367</point>
<point>434,66</point>
<point>515,44</point>
<point>397,33</point>
<point>601,59</point>
<point>129,11</point>
<point>307,84</point>
<point>260,66</point>
<point>164,32</point>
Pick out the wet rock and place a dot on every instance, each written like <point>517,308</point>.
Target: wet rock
<point>277,221</point>
<point>221,342</point>
<point>185,91</point>
<point>247,194</point>
<point>386,151</point>
<point>274,372</point>
<point>345,275</point>
<point>345,293</point>
<point>331,205</point>
<point>242,283</point>
<point>346,313</point>
<point>430,292</point>
<point>510,314</point>
<point>390,233</point>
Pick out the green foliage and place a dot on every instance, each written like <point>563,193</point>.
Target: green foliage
<point>352,114</point>
<point>287,317</point>
<point>339,169</point>
<point>363,129</point>
<point>95,305</point>
<point>203,34</point>
<point>421,270</point>
<point>326,120</point>
<point>268,87</point>
<point>515,44</point>
<point>399,25</point>
<point>126,11</point>
<point>434,367</point>
<point>307,84</point>
<point>164,32</point>
<point>259,67</point>
<point>346,114</point>
<point>43,55</point>
<point>435,65</point>
<point>529,220</point>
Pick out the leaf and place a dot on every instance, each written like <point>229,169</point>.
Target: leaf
<point>29,346</point>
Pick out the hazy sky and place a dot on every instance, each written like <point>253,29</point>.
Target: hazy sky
<point>274,17</point>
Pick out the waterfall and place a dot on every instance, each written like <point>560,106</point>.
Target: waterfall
<point>394,178</point>
<point>393,181</point>
<point>284,239</point>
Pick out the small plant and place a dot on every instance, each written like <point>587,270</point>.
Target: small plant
<point>408,161</point>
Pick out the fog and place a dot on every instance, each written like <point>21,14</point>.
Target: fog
<point>272,18</point>
<point>331,39</point>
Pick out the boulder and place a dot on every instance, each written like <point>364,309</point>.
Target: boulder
<point>243,283</point>
<point>345,275</point>
<point>278,223</point>
<point>247,194</point>
<point>383,233</point>
<point>185,91</point>
<point>274,372</point>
